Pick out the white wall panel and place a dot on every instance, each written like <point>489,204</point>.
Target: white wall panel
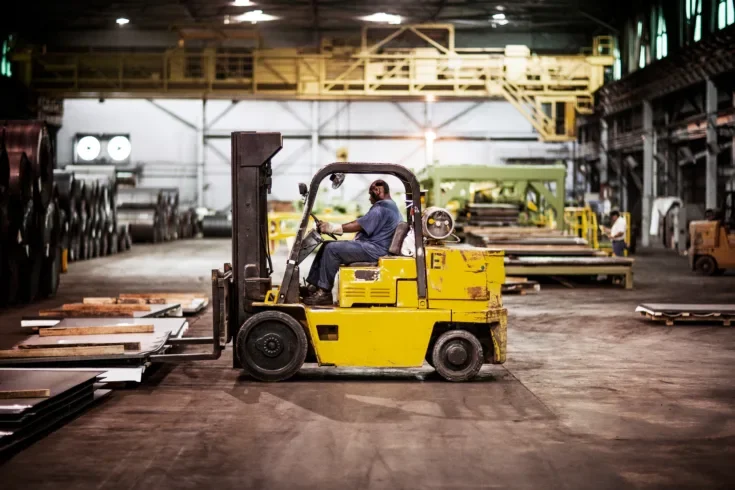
<point>168,148</point>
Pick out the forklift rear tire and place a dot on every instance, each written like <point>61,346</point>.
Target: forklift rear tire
<point>705,265</point>
<point>457,355</point>
<point>271,346</point>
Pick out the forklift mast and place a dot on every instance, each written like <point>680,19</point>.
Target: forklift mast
<point>251,183</point>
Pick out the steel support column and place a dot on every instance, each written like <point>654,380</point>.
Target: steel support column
<point>604,167</point>
<point>201,154</point>
<point>711,168</point>
<point>429,134</point>
<point>314,136</point>
<point>647,173</point>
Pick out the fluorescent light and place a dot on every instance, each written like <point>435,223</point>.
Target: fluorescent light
<point>499,16</point>
<point>122,21</point>
<point>500,8</point>
<point>383,18</point>
<point>119,148</point>
<point>502,22</point>
<point>430,135</point>
<point>242,3</point>
<point>254,16</point>
<point>88,148</point>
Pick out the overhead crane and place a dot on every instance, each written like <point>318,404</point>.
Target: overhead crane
<point>548,90</point>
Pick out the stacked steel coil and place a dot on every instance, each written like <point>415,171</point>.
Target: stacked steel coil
<point>218,225</point>
<point>189,224</point>
<point>143,211</point>
<point>30,224</point>
<point>88,205</point>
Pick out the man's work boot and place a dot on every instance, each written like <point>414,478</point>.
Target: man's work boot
<point>308,290</point>
<point>319,298</point>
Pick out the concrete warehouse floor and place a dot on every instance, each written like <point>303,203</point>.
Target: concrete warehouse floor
<point>590,397</point>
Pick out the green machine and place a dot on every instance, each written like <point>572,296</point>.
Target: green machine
<point>534,186</point>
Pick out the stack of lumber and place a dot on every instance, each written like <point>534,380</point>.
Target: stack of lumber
<point>190,303</point>
<point>88,309</point>
<point>103,341</point>
<point>520,285</point>
<point>486,214</point>
<point>33,401</point>
<point>693,313</point>
<point>534,252</point>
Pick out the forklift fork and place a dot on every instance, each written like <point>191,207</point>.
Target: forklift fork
<point>221,285</point>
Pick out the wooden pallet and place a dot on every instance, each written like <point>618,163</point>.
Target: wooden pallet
<point>696,314</point>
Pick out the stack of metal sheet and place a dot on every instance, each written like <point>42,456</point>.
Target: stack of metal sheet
<point>35,401</point>
<point>484,214</point>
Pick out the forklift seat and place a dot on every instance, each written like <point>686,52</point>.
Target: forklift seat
<point>395,245</point>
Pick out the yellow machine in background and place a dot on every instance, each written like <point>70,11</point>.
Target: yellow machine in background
<point>712,249</point>
<point>583,223</point>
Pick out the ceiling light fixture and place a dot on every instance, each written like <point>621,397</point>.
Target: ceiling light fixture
<point>383,18</point>
<point>242,3</point>
<point>501,22</point>
<point>122,21</point>
<point>254,16</point>
<point>500,8</point>
<point>499,16</point>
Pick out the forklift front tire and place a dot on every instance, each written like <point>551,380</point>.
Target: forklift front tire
<point>705,265</point>
<point>271,346</point>
<point>457,355</point>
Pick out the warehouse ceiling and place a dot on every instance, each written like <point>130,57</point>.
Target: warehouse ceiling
<point>34,18</point>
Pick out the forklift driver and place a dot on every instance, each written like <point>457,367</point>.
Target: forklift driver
<point>374,234</point>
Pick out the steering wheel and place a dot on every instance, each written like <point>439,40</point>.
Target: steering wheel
<point>317,221</point>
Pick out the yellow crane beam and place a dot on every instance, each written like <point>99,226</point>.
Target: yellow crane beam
<point>547,90</point>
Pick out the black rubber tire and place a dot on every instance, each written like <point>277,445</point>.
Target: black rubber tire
<point>430,353</point>
<point>706,265</point>
<point>293,347</point>
<point>469,344</point>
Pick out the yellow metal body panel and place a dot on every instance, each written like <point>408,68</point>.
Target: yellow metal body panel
<point>468,274</point>
<point>374,285</point>
<point>375,337</point>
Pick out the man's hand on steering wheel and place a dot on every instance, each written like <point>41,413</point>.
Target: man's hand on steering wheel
<point>330,229</point>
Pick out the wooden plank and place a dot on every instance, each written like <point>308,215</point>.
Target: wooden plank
<point>59,313</point>
<point>131,301</point>
<point>10,394</point>
<point>130,346</point>
<point>163,295</point>
<point>99,301</point>
<point>116,307</point>
<point>62,352</point>
<point>94,330</point>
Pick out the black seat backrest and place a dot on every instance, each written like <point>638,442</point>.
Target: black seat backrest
<point>398,236</point>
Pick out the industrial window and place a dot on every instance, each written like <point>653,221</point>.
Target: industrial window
<point>5,69</point>
<point>662,39</point>
<point>725,14</point>
<point>693,10</point>
<point>642,54</point>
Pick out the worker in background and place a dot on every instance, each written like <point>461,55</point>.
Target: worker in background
<point>374,234</point>
<point>617,233</point>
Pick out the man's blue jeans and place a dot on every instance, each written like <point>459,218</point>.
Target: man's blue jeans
<point>618,247</point>
<point>330,256</point>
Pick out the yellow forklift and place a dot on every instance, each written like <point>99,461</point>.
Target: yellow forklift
<point>442,304</point>
<point>712,248</point>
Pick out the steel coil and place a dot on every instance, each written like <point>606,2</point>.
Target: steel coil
<point>217,226</point>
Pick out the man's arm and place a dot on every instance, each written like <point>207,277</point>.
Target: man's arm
<point>351,227</point>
